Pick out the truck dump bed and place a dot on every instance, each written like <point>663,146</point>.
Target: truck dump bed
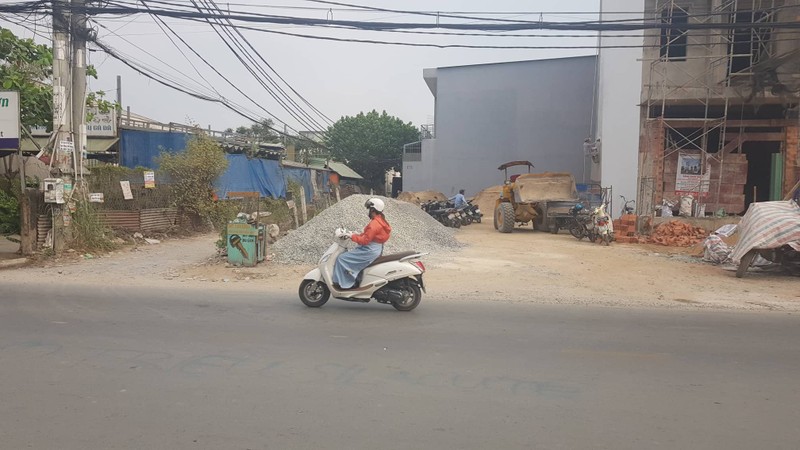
<point>545,187</point>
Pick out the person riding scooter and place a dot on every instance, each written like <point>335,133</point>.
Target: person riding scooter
<point>370,246</point>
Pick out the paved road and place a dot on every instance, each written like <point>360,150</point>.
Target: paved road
<point>189,369</point>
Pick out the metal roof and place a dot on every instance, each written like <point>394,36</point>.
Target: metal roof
<point>340,168</point>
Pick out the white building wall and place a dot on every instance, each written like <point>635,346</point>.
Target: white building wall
<point>418,175</point>
<point>619,93</point>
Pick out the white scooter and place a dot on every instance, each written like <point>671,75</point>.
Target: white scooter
<point>603,225</point>
<point>391,279</point>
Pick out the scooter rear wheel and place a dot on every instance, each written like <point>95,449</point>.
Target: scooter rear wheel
<point>313,293</point>
<point>413,299</point>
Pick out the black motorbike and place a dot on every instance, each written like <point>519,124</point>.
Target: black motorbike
<point>440,211</point>
<point>581,224</point>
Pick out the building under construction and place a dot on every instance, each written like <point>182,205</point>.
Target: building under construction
<point>720,103</point>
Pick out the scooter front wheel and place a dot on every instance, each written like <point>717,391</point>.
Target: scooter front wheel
<point>313,293</point>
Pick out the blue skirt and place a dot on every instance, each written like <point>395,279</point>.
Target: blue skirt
<point>351,263</point>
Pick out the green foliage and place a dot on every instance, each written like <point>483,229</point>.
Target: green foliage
<point>193,173</point>
<point>9,213</point>
<point>27,67</point>
<point>260,132</point>
<point>370,143</point>
<point>219,214</point>
<point>89,231</point>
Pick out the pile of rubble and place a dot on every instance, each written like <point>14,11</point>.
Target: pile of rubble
<point>677,234</point>
<point>421,197</point>
<point>412,229</point>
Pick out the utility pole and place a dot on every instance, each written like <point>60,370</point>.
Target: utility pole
<point>119,92</point>
<point>62,121</point>
<point>78,22</point>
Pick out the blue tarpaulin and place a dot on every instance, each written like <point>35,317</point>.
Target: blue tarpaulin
<point>141,148</point>
<point>301,177</point>
<point>264,176</point>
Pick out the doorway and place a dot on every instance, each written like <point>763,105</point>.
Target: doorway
<point>762,174</point>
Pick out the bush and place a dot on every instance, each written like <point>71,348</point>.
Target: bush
<point>192,174</point>
<point>89,231</point>
<point>9,213</point>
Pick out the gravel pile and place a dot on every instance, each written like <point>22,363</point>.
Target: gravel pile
<point>412,229</point>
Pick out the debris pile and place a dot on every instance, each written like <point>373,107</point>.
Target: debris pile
<point>677,234</point>
<point>487,198</point>
<point>412,229</point>
<point>419,198</point>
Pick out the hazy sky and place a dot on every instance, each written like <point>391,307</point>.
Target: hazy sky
<point>338,78</point>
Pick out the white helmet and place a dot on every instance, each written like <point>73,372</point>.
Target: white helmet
<point>376,204</point>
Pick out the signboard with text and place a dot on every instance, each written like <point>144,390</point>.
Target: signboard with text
<point>691,178</point>
<point>102,123</point>
<point>9,120</point>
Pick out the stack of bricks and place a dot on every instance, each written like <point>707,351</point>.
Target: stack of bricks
<point>625,229</point>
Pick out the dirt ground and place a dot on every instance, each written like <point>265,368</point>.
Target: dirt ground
<point>524,266</point>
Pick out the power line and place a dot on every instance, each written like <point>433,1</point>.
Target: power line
<point>470,46</point>
<point>165,63</point>
<point>202,58</point>
<point>241,36</point>
<point>157,19</point>
<point>241,54</point>
<point>381,26</point>
<point>231,106</point>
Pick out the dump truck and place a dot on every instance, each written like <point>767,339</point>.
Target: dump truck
<point>539,199</point>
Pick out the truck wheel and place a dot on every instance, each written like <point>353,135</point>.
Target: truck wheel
<point>504,218</point>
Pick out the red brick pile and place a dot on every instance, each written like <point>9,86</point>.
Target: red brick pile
<point>677,234</point>
<point>625,229</point>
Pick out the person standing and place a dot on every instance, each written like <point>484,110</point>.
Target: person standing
<point>460,202</point>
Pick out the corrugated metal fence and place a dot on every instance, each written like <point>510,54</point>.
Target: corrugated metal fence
<point>144,220</point>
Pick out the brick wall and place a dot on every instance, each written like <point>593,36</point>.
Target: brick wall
<point>731,187</point>
<point>791,164</point>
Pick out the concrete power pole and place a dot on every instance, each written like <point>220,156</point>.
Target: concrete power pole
<point>78,85</point>
<point>62,111</point>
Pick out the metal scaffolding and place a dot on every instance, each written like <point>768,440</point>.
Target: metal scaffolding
<point>720,67</point>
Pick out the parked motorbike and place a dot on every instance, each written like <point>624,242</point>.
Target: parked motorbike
<point>446,215</point>
<point>784,257</point>
<point>594,226</point>
<point>392,279</point>
<point>474,212</point>
<point>602,224</point>
<point>628,206</point>
<point>581,225</point>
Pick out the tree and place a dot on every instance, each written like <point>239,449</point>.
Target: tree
<point>370,143</point>
<point>26,66</point>
<point>260,131</point>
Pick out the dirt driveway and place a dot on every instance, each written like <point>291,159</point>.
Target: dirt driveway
<point>524,266</point>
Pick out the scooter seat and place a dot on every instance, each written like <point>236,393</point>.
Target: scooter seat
<point>390,258</point>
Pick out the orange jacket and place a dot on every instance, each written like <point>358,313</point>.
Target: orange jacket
<point>378,230</point>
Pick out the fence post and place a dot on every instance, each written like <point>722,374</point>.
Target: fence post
<point>303,204</point>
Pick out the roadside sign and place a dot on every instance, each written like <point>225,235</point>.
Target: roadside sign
<point>9,120</point>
